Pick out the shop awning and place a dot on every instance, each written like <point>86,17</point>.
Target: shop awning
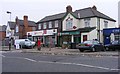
<point>78,31</point>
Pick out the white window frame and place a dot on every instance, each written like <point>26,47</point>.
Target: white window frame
<point>56,23</point>
<point>69,24</point>
<point>44,26</point>
<point>105,24</point>
<point>87,22</point>
<point>50,24</point>
<point>17,29</point>
<point>39,26</point>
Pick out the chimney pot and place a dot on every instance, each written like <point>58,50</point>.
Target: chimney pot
<point>94,7</point>
<point>69,9</point>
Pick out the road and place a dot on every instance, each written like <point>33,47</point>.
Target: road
<point>35,62</point>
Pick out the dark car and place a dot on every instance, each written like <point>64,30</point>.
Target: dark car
<point>114,45</point>
<point>91,45</point>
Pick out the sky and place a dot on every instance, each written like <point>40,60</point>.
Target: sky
<point>38,9</point>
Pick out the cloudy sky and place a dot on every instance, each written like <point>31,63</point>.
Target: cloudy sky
<point>37,9</point>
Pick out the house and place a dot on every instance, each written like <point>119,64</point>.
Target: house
<point>50,28</point>
<point>75,26</point>
<point>19,28</point>
<point>2,32</point>
<point>85,24</point>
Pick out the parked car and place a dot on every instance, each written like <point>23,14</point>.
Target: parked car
<point>91,45</point>
<point>25,43</point>
<point>114,45</point>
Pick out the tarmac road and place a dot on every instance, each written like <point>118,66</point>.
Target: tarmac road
<point>35,62</point>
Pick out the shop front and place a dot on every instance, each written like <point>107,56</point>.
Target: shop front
<point>48,37</point>
<point>68,37</point>
<point>111,34</point>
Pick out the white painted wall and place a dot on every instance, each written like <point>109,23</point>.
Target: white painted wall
<point>111,24</point>
<point>93,23</point>
<point>91,35</point>
<point>75,22</point>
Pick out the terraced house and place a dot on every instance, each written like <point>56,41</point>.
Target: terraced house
<point>75,26</point>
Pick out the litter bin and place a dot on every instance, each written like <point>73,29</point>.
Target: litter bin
<point>73,45</point>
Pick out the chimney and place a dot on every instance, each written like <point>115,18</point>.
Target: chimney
<point>25,21</point>
<point>25,24</point>
<point>69,9</point>
<point>94,7</point>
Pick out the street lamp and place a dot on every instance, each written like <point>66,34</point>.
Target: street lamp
<point>8,12</point>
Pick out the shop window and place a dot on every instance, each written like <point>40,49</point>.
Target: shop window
<point>84,37</point>
<point>117,36</point>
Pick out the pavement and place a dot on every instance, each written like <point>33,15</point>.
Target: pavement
<point>60,51</point>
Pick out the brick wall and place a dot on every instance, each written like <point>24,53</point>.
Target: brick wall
<point>2,35</point>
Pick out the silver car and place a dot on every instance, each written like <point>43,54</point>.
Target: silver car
<point>27,44</point>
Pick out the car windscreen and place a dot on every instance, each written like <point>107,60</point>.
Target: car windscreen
<point>87,42</point>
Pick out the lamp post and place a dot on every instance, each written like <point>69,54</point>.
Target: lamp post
<point>8,12</point>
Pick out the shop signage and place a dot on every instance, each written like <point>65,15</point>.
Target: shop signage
<point>116,31</point>
<point>70,33</point>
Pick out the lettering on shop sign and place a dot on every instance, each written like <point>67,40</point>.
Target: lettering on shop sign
<point>116,31</point>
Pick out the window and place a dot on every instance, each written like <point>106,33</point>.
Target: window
<point>87,22</point>
<point>50,24</point>
<point>56,23</point>
<point>69,24</point>
<point>117,36</point>
<point>16,29</point>
<point>44,26</point>
<point>105,24</point>
<point>39,26</point>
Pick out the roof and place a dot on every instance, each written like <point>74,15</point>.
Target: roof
<point>11,24</point>
<point>3,28</point>
<point>52,17</point>
<point>21,23</point>
<point>83,13</point>
<point>30,23</point>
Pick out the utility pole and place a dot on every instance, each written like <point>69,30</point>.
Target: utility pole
<point>8,12</point>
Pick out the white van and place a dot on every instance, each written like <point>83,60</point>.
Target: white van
<point>24,43</point>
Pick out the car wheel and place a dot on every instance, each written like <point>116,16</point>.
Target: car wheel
<point>81,50</point>
<point>107,49</point>
<point>93,49</point>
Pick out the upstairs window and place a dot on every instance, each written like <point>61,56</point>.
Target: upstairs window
<point>105,24</point>
<point>56,23</point>
<point>44,26</point>
<point>69,24</point>
<point>87,22</point>
<point>39,26</point>
<point>50,24</point>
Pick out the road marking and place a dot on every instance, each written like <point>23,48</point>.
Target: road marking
<point>30,59</point>
<point>84,65</point>
<point>2,55</point>
<point>78,64</point>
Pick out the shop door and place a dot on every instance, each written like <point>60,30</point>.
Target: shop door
<point>84,37</point>
<point>107,40</point>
